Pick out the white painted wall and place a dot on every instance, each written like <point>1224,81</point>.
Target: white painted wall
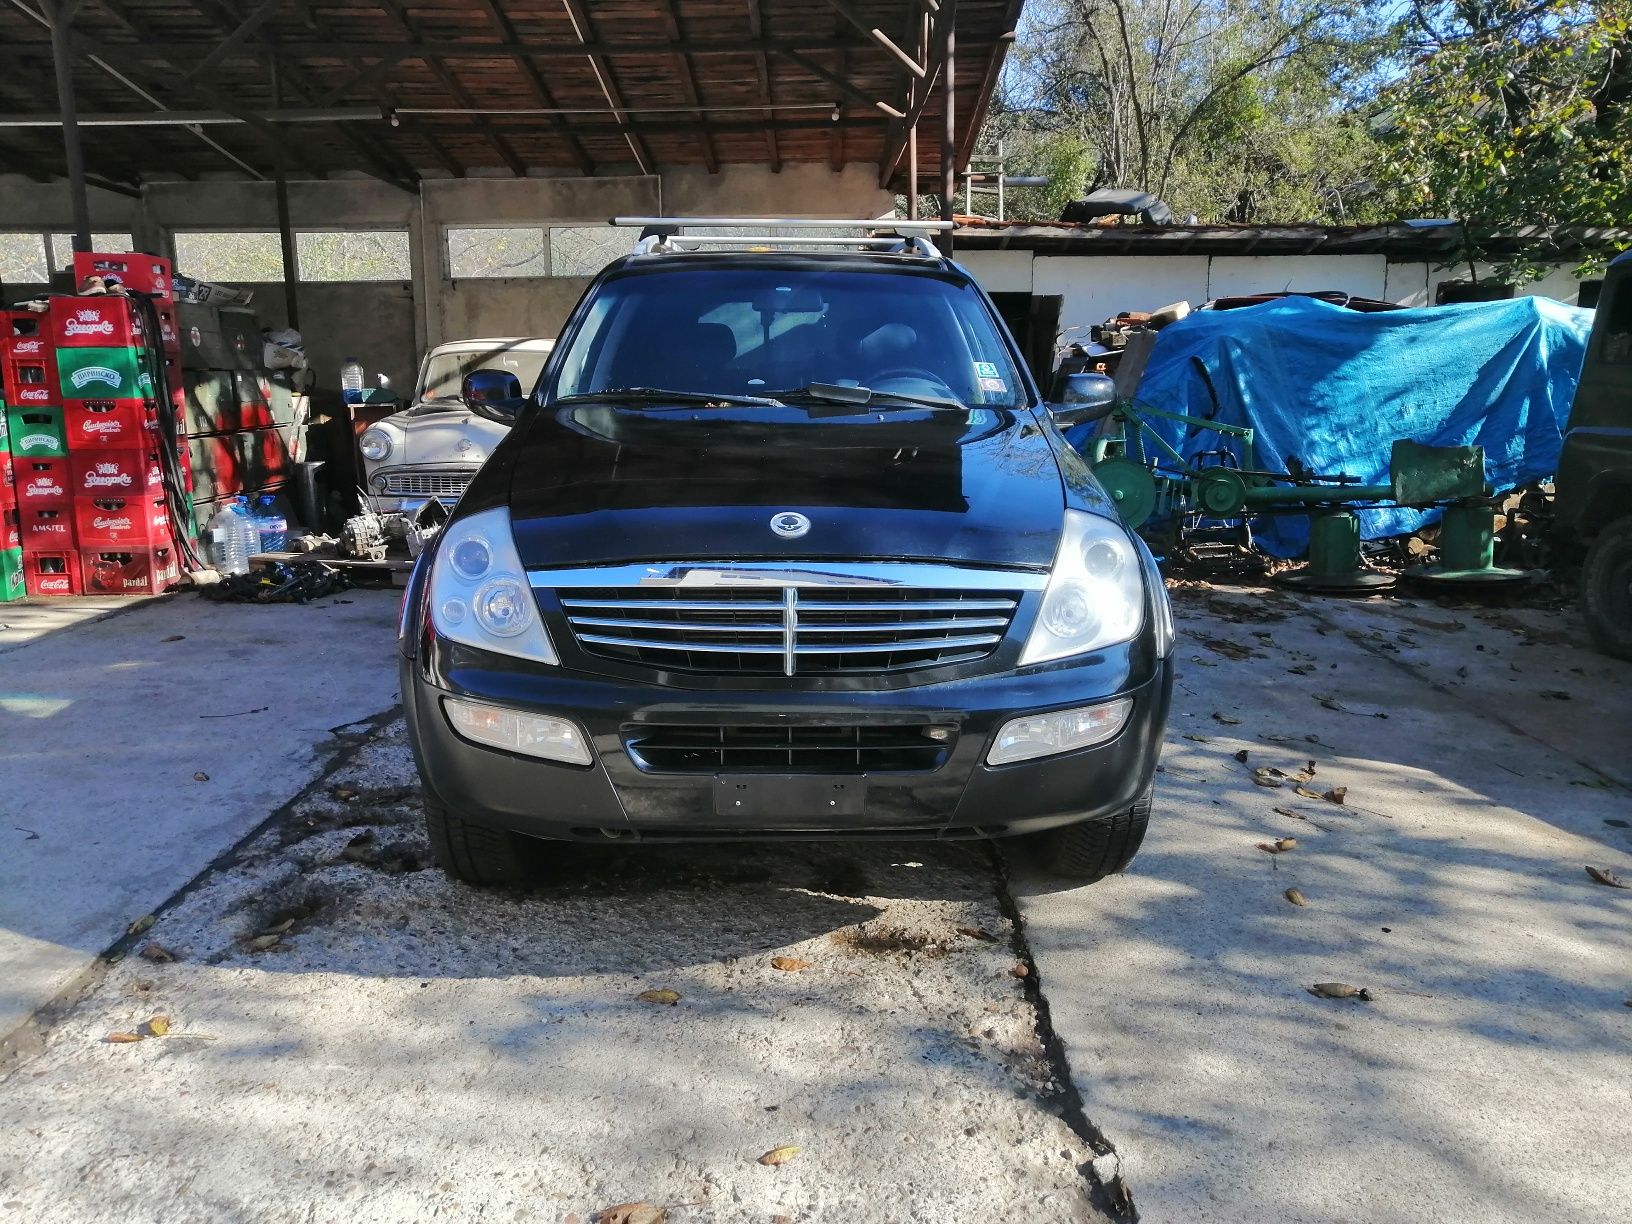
<point>1360,275</point>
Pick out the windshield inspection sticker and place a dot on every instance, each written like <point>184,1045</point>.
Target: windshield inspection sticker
<point>992,384</point>
<point>986,369</point>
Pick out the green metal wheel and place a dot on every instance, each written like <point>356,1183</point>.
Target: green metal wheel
<point>1132,486</point>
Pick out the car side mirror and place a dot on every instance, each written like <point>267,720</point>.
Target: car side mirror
<point>1084,398</point>
<point>494,394</point>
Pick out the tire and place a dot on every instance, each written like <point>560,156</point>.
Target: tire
<point>470,852</point>
<point>1606,589</point>
<point>1093,849</point>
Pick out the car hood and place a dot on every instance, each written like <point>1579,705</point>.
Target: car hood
<point>598,483</point>
<point>455,436</point>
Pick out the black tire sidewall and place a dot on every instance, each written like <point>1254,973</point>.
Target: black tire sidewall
<point>1606,603</point>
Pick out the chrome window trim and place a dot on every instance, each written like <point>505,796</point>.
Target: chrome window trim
<point>703,575</point>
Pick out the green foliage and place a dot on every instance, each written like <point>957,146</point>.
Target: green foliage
<point>1515,113</point>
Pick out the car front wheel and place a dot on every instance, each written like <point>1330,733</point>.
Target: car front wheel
<point>1092,849</point>
<point>1606,589</point>
<point>471,852</point>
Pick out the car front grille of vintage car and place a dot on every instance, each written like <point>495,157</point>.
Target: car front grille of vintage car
<point>792,621</point>
<point>449,486</point>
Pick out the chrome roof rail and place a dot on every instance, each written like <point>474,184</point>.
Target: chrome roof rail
<point>663,236</point>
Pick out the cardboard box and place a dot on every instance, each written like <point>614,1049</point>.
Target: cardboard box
<point>149,274</point>
<point>117,522</point>
<point>11,575</point>
<point>128,472</point>
<point>37,432</point>
<point>51,573</point>
<point>47,528</point>
<point>42,482</point>
<point>102,373</point>
<point>128,571</point>
<point>101,424</point>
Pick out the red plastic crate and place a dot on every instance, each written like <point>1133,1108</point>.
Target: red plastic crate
<point>127,471</point>
<point>105,424</point>
<point>51,573</point>
<point>97,322</point>
<point>128,571</point>
<point>11,528</point>
<point>42,482</point>
<point>149,274</point>
<point>47,528</point>
<point>31,382</point>
<point>121,521</point>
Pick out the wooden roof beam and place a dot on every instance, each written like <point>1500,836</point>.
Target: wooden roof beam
<point>756,27</point>
<point>535,80</point>
<point>585,29</point>
<point>878,36</point>
<point>688,83</point>
<point>184,54</point>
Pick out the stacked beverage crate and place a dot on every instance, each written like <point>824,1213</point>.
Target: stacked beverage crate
<point>39,457</point>
<point>11,539</point>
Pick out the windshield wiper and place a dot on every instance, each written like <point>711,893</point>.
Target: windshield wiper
<point>621,394</point>
<point>837,393</point>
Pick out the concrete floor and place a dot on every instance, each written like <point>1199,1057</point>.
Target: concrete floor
<point>410,1048</point>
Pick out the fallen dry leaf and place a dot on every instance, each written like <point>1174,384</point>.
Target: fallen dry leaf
<point>157,953</point>
<point>1280,845</point>
<point>1019,970</point>
<point>1200,739</point>
<point>1226,719</point>
<point>1336,795</point>
<point>279,928</point>
<point>1556,695</point>
<point>779,1156</point>
<point>632,1213</point>
<point>788,964</point>
<point>977,933</point>
<point>122,1038</point>
<point>1305,792</point>
<point>158,1026</point>
<point>174,637</point>
<point>1295,896</point>
<point>261,943</point>
<point>1340,990</point>
<point>665,995</point>
<point>201,776</point>
<point>141,924</point>
<point>1242,756</point>
<point>344,793</point>
<point>1606,877</point>
<point>1289,812</point>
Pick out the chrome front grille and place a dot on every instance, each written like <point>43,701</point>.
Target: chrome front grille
<point>758,622</point>
<point>448,485</point>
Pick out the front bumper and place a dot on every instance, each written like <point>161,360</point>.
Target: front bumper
<point>614,799</point>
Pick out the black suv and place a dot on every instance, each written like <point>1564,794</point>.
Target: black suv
<point>785,544</point>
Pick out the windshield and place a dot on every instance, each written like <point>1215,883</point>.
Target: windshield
<point>445,372</point>
<point>760,331</point>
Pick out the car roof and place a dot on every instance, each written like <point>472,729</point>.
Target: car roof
<point>786,260</point>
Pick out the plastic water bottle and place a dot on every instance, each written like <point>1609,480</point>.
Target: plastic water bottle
<point>227,540</point>
<point>249,531</point>
<point>351,381</point>
<point>272,527</point>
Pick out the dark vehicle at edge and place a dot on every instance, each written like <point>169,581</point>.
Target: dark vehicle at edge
<point>786,545</point>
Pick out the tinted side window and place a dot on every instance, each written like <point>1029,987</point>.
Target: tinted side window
<point>1616,324</point>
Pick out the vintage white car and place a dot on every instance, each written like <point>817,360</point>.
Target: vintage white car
<point>434,446</point>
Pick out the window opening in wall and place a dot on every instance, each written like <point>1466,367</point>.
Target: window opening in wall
<point>23,259</point>
<point>353,255</point>
<point>62,248</point>
<point>533,251</point>
<point>238,255</point>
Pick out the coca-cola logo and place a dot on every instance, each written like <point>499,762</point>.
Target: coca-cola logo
<point>59,583</point>
<point>27,348</point>
<point>43,486</point>
<point>34,395</point>
<point>120,522</point>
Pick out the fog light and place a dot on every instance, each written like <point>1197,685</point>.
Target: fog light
<point>1041,735</point>
<point>538,735</point>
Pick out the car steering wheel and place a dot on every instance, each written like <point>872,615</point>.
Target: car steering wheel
<point>918,372</point>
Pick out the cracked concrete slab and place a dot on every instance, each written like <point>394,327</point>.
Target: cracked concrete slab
<point>1486,1081</point>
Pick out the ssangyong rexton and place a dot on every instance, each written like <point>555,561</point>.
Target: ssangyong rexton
<point>785,544</point>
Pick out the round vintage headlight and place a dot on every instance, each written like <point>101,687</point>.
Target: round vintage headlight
<point>375,445</point>
<point>471,557</point>
<point>503,607</point>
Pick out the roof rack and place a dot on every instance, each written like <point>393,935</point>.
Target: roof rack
<point>662,236</point>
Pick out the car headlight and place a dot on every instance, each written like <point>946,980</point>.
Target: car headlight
<point>375,444</point>
<point>1096,592</point>
<point>480,595</point>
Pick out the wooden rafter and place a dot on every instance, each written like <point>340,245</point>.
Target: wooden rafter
<point>688,81</point>
<point>535,81</point>
<point>756,28</point>
<point>585,30</point>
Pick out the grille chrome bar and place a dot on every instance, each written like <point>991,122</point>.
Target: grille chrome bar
<point>426,484</point>
<point>764,619</point>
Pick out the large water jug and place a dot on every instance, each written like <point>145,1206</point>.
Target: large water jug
<point>227,542</point>
<point>271,526</point>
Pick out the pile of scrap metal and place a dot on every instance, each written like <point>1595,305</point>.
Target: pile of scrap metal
<point>371,536</point>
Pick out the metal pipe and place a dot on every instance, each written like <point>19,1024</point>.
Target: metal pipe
<point>61,13</point>
<point>1270,495</point>
<point>196,118</point>
<point>876,223</point>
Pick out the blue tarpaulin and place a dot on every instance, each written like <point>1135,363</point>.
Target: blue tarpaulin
<point>1335,388</point>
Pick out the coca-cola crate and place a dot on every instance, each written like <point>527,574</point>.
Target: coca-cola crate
<point>128,571</point>
<point>30,381</point>
<point>42,482</point>
<point>11,527</point>
<point>97,322</point>
<point>103,424</point>
<point>47,528</point>
<point>130,471</point>
<point>51,573</point>
<point>149,274</point>
<point>121,521</point>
